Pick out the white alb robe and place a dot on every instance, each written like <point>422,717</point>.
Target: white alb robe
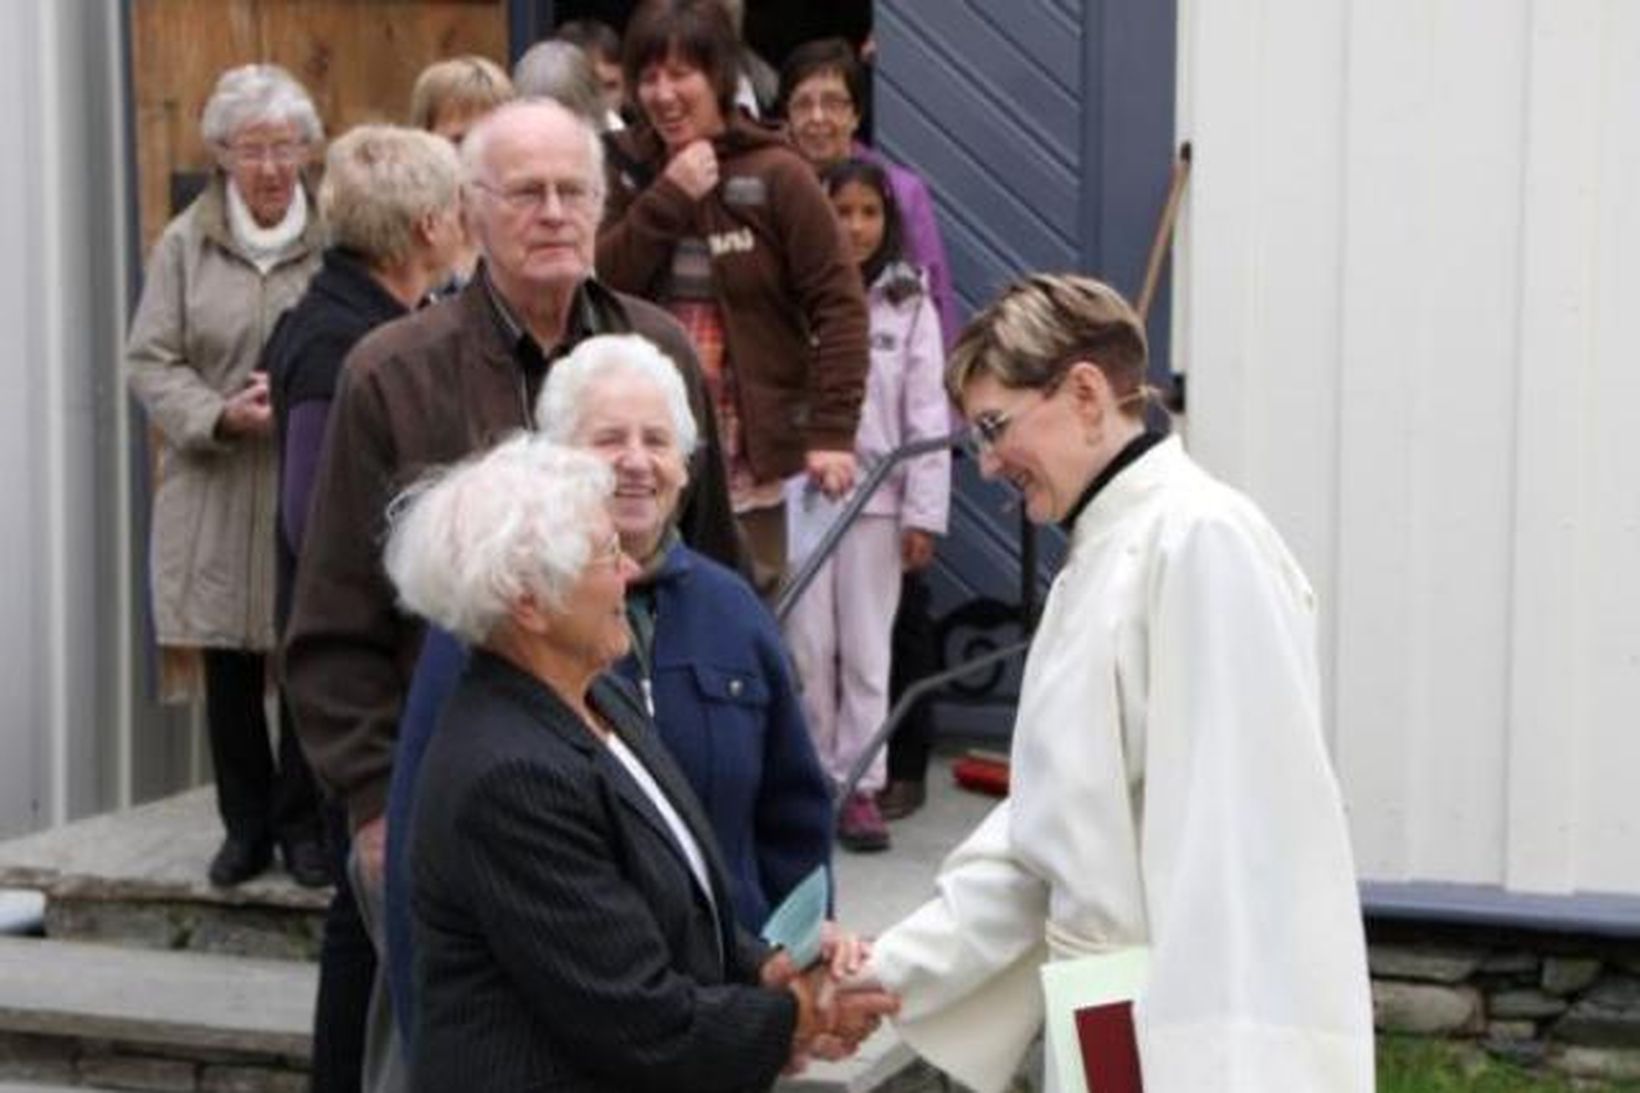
<point>1170,789</point>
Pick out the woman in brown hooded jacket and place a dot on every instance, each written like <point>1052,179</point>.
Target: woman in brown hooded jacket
<point>721,221</point>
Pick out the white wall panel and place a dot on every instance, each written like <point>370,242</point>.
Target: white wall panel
<point>1609,821</point>
<point>60,211</point>
<point>25,770</point>
<point>1411,237</point>
<point>1262,223</point>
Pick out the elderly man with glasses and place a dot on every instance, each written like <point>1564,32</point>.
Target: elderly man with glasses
<point>432,387</point>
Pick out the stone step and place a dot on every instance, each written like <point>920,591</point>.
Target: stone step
<point>174,1001</point>
<point>31,1087</point>
<point>137,878</point>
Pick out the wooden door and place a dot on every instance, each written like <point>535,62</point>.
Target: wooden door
<point>357,58</point>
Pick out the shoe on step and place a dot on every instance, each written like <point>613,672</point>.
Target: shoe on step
<point>239,860</point>
<point>861,826</point>
<point>306,863</point>
<point>901,798</point>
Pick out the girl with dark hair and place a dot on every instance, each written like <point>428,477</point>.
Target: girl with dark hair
<point>824,95</point>
<point>839,630</point>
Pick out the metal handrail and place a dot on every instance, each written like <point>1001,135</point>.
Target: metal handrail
<point>908,699</point>
<point>827,546</point>
<point>863,492</point>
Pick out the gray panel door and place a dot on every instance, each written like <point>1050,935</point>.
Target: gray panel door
<point>1044,129</point>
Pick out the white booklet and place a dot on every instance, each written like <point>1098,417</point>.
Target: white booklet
<point>808,514</point>
<point>796,924</point>
<point>1089,1027</point>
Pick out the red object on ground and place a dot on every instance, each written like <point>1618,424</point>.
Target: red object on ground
<point>983,772</point>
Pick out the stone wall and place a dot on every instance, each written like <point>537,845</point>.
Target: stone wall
<point>270,932</point>
<point>1566,1003</point>
<point>104,1064</point>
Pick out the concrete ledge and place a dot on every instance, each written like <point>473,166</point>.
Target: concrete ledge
<point>157,851</point>
<point>1604,914</point>
<point>178,1000</point>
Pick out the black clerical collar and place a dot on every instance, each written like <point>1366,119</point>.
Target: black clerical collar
<point>1130,453</point>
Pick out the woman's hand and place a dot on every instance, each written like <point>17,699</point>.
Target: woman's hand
<point>843,954</point>
<point>806,989</point>
<point>839,1002</point>
<point>694,169</point>
<point>831,472</point>
<point>248,411</point>
<point>843,951</point>
<point>916,549</point>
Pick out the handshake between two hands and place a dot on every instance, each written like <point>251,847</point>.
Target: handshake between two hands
<point>839,1002</point>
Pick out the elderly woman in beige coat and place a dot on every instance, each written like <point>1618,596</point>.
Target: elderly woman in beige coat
<point>221,275</point>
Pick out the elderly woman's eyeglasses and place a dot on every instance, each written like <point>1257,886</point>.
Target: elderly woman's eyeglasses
<point>282,154</point>
<point>573,195</point>
<point>828,102</point>
<point>609,554</point>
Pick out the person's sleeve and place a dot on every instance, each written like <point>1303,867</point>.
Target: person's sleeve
<point>170,387</point>
<point>639,233</point>
<point>927,500</point>
<point>750,953</point>
<point>793,815</point>
<point>966,963</point>
<point>826,284</point>
<point>1258,975</point>
<point>304,440</point>
<point>438,671</point>
<point>588,959</point>
<point>927,249</point>
<point>342,673</point>
<point>308,378</point>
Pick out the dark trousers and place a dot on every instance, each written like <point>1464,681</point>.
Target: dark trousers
<point>347,973</point>
<point>914,656</point>
<point>764,531</point>
<point>259,799</point>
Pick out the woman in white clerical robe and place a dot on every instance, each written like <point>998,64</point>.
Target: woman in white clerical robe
<point>1171,790</point>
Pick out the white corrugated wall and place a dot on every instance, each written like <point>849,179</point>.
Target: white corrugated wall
<point>1406,285</point>
<point>64,596</point>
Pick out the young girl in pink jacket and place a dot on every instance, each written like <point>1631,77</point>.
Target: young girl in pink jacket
<point>839,630</point>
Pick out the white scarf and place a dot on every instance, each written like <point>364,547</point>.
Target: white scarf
<point>265,246</point>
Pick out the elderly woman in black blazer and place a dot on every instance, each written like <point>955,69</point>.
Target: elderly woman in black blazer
<point>573,927</point>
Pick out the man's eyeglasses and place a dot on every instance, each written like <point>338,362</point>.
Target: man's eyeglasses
<point>573,195</point>
<point>282,154</point>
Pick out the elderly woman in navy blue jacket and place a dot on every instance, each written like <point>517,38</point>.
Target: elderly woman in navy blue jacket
<point>706,654</point>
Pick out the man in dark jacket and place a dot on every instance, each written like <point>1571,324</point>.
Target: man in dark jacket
<point>431,388</point>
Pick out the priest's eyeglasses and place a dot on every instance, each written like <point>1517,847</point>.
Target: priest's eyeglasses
<point>988,429</point>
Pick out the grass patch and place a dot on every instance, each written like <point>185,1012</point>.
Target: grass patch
<point>1413,1064</point>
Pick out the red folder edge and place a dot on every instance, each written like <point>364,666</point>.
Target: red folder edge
<point>1110,1051</point>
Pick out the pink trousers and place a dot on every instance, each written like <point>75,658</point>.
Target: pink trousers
<point>839,633</point>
